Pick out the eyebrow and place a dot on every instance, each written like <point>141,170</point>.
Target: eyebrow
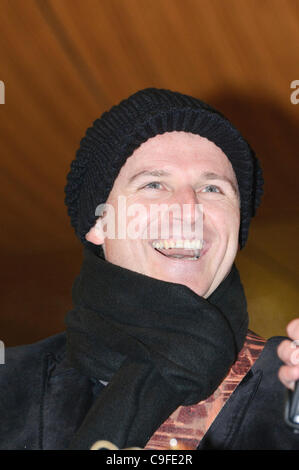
<point>207,175</point>
<point>149,173</point>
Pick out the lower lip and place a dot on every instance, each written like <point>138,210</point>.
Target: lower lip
<point>176,260</point>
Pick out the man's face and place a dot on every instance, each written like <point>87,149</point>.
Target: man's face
<point>178,168</point>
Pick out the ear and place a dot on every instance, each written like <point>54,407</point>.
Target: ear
<point>95,234</point>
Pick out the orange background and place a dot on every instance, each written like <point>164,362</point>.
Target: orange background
<point>64,62</point>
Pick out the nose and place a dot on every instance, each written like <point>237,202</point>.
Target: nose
<point>185,195</point>
<point>191,211</point>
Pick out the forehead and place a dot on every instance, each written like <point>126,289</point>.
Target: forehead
<point>178,151</point>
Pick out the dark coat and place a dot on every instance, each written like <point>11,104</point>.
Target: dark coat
<point>43,402</point>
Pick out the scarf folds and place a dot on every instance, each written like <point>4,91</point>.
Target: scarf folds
<point>157,344</point>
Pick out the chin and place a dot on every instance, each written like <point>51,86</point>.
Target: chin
<point>200,288</point>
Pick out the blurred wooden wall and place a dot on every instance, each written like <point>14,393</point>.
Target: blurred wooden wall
<point>64,62</point>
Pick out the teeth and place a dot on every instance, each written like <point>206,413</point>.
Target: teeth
<point>186,244</point>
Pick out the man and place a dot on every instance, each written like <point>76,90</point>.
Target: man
<point>158,337</point>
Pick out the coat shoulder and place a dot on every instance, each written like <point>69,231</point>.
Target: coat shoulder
<point>25,365</point>
<point>28,355</point>
<point>23,378</point>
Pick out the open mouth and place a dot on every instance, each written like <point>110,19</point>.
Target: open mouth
<point>179,249</point>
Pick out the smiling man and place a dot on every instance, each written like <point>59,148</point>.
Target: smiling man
<point>185,169</point>
<point>157,353</point>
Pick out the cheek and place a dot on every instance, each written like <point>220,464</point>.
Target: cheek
<point>224,218</point>
<point>231,221</point>
<point>131,222</point>
<point>138,221</point>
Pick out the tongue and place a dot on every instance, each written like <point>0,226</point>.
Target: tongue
<point>179,252</point>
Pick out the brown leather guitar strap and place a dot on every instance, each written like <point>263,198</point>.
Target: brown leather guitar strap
<point>185,428</point>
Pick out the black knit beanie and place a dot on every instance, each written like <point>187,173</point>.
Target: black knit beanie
<point>118,132</point>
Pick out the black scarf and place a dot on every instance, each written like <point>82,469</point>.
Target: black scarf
<point>158,344</point>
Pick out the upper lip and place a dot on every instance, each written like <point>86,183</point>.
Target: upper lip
<point>203,250</point>
<point>169,240</point>
<point>175,239</point>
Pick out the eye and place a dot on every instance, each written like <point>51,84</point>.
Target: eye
<point>211,189</point>
<point>153,185</point>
